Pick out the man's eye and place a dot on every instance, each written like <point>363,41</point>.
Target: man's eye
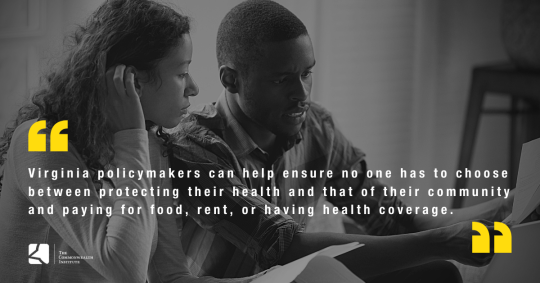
<point>183,75</point>
<point>307,74</point>
<point>279,81</point>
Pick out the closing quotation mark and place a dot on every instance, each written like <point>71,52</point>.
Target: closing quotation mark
<point>502,243</point>
<point>38,142</point>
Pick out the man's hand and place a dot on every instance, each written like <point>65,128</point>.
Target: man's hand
<point>535,215</point>
<point>383,254</point>
<point>457,242</point>
<point>506,206</point>
<point>497,209</point>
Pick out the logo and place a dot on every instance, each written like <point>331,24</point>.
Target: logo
<point>502,243</point>
<point>38,253</point>
<point>38,142</point>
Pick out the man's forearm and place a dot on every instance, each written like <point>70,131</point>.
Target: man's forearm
<point>381,254</point>
<point>493,210</point>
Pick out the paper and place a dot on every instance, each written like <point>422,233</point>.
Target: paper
<point>324,269</point>
<point>289,272</point>
<point>527,196</point>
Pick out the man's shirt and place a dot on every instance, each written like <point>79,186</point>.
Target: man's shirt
<point>236,243</point>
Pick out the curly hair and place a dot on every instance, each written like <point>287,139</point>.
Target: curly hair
<point>137,33</point>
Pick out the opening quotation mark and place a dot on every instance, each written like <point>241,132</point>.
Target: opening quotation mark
<point>38,142</point>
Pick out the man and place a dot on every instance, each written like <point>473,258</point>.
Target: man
<point>264,121</point>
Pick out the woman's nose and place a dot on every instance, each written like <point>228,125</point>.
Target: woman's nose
<point>192,88</point>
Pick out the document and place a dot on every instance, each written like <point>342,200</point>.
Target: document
<point>317,267</point>
<point>527,196</point>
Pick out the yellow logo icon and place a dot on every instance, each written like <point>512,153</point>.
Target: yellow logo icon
<point>38,142</point>
<point>502,243</point>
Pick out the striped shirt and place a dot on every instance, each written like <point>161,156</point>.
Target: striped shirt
<point>255,231</point>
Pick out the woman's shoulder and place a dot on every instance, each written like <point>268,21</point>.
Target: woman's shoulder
<point>24,128</point>
<point>20,138</point>
<point>25,134</point>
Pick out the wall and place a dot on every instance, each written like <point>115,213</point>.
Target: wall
<point>395,73</point>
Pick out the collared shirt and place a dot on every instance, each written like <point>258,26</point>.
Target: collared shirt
<point>240,244</point>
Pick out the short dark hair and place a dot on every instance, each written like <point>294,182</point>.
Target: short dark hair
<point>251,23</point>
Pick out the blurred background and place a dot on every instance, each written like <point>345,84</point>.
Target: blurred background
<point>394,73</point>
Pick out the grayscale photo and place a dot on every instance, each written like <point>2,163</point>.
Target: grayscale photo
<point>308,141</point>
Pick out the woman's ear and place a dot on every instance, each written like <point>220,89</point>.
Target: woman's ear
<point>138,77</point>
<point>137,85</point>
<point>141,79</point>
<point>132,70</point>
<point>229,79</point>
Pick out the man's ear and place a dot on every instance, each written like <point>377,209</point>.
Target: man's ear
<point>229,79</point>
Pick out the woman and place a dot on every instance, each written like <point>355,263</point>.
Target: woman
<point>146,49</point>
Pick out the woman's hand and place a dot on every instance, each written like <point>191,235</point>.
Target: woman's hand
<point>125,110</point>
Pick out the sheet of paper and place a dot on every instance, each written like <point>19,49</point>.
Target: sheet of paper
<point>333,251</point>
<point>527,196</point>
<point>324,269</point>
<point>289,272</point>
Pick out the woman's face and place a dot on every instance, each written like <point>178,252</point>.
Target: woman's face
<point>166,99</point>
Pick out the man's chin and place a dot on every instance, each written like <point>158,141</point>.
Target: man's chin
<point>288,131</point>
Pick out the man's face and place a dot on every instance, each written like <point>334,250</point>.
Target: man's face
<point>276,92</point>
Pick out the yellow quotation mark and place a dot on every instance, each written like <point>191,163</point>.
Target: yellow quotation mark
<point>38,142</point>
<point>480,243</point>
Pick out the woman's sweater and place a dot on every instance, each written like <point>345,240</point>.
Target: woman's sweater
<point>116,248</point>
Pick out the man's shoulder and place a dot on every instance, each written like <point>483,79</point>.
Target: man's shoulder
<point>319,112</point>
<point>207,116</point>
<point>199,140</point>
<point>205,110</point>
<point>205,125</point>
<point>319,118</point>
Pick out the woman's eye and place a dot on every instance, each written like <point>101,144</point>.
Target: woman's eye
<point>183,75</point>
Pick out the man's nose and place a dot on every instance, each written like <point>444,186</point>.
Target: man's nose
<point>301,91</point>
